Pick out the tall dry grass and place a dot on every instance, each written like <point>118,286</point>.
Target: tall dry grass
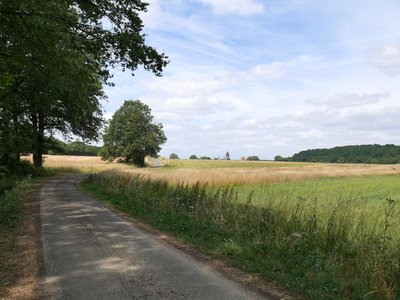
<point>324,254</point>
<point>273,172</point>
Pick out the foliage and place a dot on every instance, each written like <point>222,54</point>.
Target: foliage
<point>173,156</point>
<point>253,158</point>
<point>11,205</point>
<point>15,171</point>
<point>314,253</point>
<point>132,134</point>
<point>80,148</point>
<point>280,158</point>
<point>227,156</point>
<point>55,55</point>
<point>193,156</point>
<point>370,154</point>
<point>205,158</point>
<point>77,148</point>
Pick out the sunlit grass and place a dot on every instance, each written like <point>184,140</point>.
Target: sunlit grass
<point>218,173</point>
<point>313,242</point>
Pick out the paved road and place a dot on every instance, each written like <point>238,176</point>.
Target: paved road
<point>91,253</point>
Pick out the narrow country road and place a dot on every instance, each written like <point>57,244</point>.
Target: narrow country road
<point>91,253</point>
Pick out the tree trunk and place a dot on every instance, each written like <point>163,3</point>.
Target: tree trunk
<point>38,140</point>
<point>139,161</point>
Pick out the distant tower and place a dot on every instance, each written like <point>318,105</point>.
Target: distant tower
<point>227,156</point>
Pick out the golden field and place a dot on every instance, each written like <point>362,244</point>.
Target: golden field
<point>224,172</point>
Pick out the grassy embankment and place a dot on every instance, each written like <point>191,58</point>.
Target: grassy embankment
<point>324,235</point>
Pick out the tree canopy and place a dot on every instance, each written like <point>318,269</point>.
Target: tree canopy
<point>253,157</point>
<point>132,134</point>
<point>376,154</point>
<point>55,56</point>
<point>173,156</point>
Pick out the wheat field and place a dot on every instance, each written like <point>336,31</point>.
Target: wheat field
<point>223,172</point>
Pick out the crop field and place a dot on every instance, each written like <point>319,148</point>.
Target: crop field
<point>363,186</point>
<point>309,226</point>
<point>224,172</point>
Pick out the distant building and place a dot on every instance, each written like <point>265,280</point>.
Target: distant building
<point>243,158</point>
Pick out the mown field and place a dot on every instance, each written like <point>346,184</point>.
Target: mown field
<point>323,231</point>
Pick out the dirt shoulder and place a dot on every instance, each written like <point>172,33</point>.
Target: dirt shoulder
<point>23,245</point>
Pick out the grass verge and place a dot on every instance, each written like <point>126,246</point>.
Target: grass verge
<point>329,255</point>
<point>18,236</point>
<point>11,212</point>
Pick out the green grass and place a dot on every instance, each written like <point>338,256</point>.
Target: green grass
<point>373,189</point>
<point>334,250</point>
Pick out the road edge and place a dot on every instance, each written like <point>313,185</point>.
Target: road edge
<point>251,282</point>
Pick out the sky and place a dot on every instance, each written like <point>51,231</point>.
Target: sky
<point>269,77</point>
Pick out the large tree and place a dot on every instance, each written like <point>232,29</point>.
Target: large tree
<point>55,55</point>
<point>132,134</point>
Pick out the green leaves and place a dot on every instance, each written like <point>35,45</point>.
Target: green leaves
<point>132,134</point>
<point>54,58</point>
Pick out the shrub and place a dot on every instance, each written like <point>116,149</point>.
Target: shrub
<point>11,204</point>
<point>173,156</point>
<point>205,158</point>
<point>254,157</point>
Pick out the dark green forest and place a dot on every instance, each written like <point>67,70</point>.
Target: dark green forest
<point>368,154</point>
<point>55,146</point>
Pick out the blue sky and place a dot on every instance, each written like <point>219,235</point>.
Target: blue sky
<point>270,77</point>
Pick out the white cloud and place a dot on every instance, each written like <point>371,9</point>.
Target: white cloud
<point>235,7</point>
<point>387,59</point>
<point>278,69</point>
<point>295,79</point>
<point>269,71</point>
<point>348,99</point>
<point>197,105</point>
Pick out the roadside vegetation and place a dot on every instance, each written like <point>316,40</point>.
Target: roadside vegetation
<point>15,183</point>
<point>341,246</point>
<point>17,263</point>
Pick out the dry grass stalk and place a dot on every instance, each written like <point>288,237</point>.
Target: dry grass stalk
<point>273,173</point>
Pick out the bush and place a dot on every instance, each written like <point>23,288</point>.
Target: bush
<point>254,157</point>
<point>11,204</point>
<point>14,171</point>
<point>174,156</point>
<point>193,156</point>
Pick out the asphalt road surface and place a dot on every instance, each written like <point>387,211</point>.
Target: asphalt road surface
<point>91,253</point>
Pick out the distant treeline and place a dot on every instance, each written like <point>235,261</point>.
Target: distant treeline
<point>55,146</point>
<point>370,154</point>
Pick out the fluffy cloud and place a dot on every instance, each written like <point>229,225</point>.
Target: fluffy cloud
<point>235,7</point>
<point>387,59</point>
<point>198,105</point>
<point>293,80</point>
<point>278,69</point>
